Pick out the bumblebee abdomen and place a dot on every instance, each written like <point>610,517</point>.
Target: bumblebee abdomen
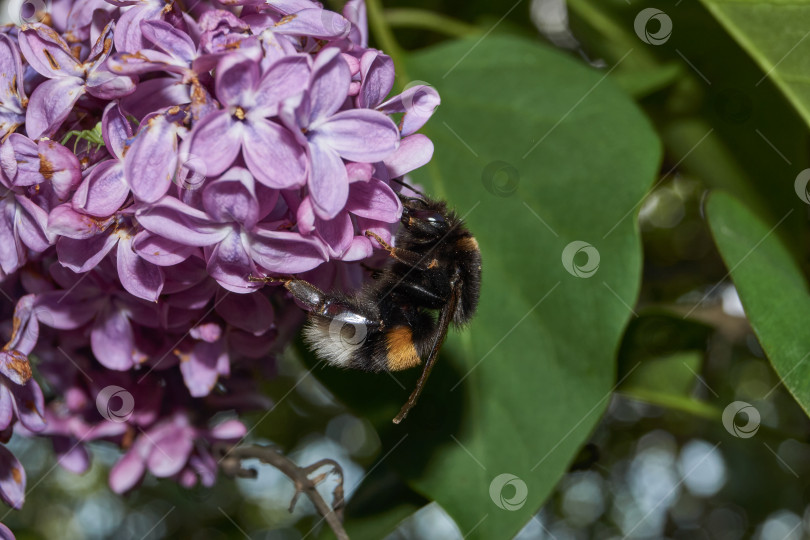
<point>400,349</point>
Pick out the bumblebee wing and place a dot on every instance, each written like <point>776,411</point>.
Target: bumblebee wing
<point>445,318</point>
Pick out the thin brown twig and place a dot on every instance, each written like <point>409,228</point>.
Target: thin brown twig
<point>230,461</point>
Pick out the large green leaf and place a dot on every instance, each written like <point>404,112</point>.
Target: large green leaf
<point>774,33</point>
<point>771,286</point>
<point>535,151</point>
<point>526,135</point>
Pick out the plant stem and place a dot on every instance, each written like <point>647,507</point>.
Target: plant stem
<point>230,461</point>
<point>429,20</point>
<point>386,40</point>
<point>673,402</point>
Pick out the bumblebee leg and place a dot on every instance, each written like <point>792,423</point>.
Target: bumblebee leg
<point>402,255</point>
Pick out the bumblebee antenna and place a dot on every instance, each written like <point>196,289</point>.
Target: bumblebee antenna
<point>405,184</point>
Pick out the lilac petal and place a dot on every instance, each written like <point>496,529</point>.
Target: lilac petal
<point>199,369</point>
<point>9,122</point>
<point>360,135</point>
<point>286,77</point>
<point>128,36</point>
<point>145,61</point>
<point>12,254</point>
<point>15,367</point>
<point>285,251</point>
<point>170,39</point>
<point>315,22</point>
<point>360,249</point>
<point>181,223</point>
<point>80,17</point>
<point>60,166</point>
<point>129,470</point>
<point>105,84</point>
<point>273,155</point>
<point>374,200</point>
<point>12,479</point>
<point>337,233</point>
<point>232,198</point>
<point>329,84</point>
<point>359,172</point>
<point>151,162</point>
<point>155,94</point>
<point>172,448</point>
<point>65,221</point>
<point>413,152</point>
<point>160,251</point>
<point>32,224</point>
<point>20,160</point>
<point>252,313</point>
<point>5,533</point>
<point>215,140</point>
<point>417,102</point>
<point>208,332</point>
<point>83,255</point>
<point>378,78</point>
<point>102,46</point>
<point>229,430</point>
<point>103,191</point>
<point>237,76</point>
<point>115,129</point>
<point>47,53</point>
<point>229,263</point>
<point>355,11</point>
<point>139,277</point>
<point>29,405</point>
<point>6,407</point>
<point>50,104</point>
<point>71,455</point>
<point>328,181</point>
<point>66,310</point>
<point>112,339</point>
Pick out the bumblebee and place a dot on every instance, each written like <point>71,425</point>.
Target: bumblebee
<point>390,324</point>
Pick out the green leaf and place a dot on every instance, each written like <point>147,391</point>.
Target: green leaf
<point>536,151</point>
<point>774,33</point>
<point>772,288</point>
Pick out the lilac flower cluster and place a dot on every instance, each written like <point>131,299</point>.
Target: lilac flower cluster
<point>153,160</point>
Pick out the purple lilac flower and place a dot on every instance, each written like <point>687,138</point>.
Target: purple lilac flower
<point>201,149</point>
